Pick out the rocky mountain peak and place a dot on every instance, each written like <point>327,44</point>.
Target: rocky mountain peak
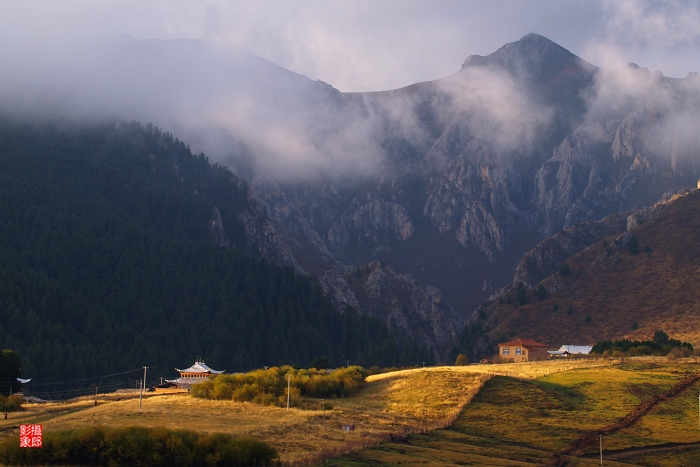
<point>532,57</point>
<point>475,170</point>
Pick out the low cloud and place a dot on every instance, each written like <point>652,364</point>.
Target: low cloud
<point>663,112</point>
<point>225,102</point>
<point>218,99</point>
<point>509,116</point>
<point>653,23</point>
<point>664,35</point>
<point>619,91</point>
<point>660,115</point>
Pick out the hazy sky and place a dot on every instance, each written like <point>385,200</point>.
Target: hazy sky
<point>360,45</point>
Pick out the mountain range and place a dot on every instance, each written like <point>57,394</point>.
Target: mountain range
<point>411,205</point>
<point>481,166</point>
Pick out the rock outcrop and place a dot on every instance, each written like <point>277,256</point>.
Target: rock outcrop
<point>372,220</point>
<point>413,313</point>
<point>548,256</point>
<point>216,229</point>
<point>335,286</point>
<point>264,237</point>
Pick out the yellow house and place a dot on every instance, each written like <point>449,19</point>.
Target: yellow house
<point>522,350</point>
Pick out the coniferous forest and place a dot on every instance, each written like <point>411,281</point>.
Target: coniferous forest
<point>106,264</point>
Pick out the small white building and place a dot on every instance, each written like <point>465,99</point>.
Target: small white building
<point>568,350</point>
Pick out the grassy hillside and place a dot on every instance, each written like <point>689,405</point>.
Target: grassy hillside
<point>518,422</point>
<point>389,404</point>
<point>612,293</point>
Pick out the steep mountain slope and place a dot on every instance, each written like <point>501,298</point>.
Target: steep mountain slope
<point>638,278</point>
<point>449,182</point>
<point>411,312</point>
<point>482,165</point>
<point>121,248</point>
<point>267,124</point>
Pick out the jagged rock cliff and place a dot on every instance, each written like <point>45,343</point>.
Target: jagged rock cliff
<point>264,237</point>
<point>373,221</point>
<point>412,313</point>
<point>530,137</point>
<point>476,169</point>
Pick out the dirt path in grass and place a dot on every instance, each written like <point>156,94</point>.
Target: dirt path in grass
<point>626,453</point>
<point>561,458</point>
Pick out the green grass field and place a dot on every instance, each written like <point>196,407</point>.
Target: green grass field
<point>518,422</point>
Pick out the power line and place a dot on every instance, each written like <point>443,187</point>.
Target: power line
<point>94,378</point>
<point>68,392</point>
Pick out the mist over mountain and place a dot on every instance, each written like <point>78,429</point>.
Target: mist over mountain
<point>448,182</point>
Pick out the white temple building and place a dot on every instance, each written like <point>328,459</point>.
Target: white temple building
<point>193,375</point>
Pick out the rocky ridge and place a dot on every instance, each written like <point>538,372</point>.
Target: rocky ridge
<point>413,313</point>
<point>515,147</point>
<point>611,289</point>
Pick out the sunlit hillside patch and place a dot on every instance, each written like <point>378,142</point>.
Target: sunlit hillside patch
<point>524,422</point>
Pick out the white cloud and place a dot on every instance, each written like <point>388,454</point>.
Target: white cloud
<point>356,45</point>
<point>507,115</point>
<point>660,35</point>
<point>54,57</point>
<point>653,23</point>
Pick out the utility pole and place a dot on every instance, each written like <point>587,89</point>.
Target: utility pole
<point>289,384</point>
<point>143,383</point>
<point>348,362</point>
<point>601,449</point>
<point>423,364</point>
<point>323,404</point>
<point>95,393</point>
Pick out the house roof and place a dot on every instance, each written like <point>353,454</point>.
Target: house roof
<point>200,367</point>
<point>527,343</point>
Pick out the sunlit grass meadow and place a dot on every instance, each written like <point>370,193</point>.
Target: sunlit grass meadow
<point>409,401</point>
<point>524,422</point>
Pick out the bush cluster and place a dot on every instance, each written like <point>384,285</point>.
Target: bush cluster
<point>461,360</point>
<point>268,387</point>
<point>11,403</point>
<point>138,446</point>
<point>660,345</point>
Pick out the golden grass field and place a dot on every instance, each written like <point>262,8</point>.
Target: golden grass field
<point>520,422</point>
<point>404,401</point>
